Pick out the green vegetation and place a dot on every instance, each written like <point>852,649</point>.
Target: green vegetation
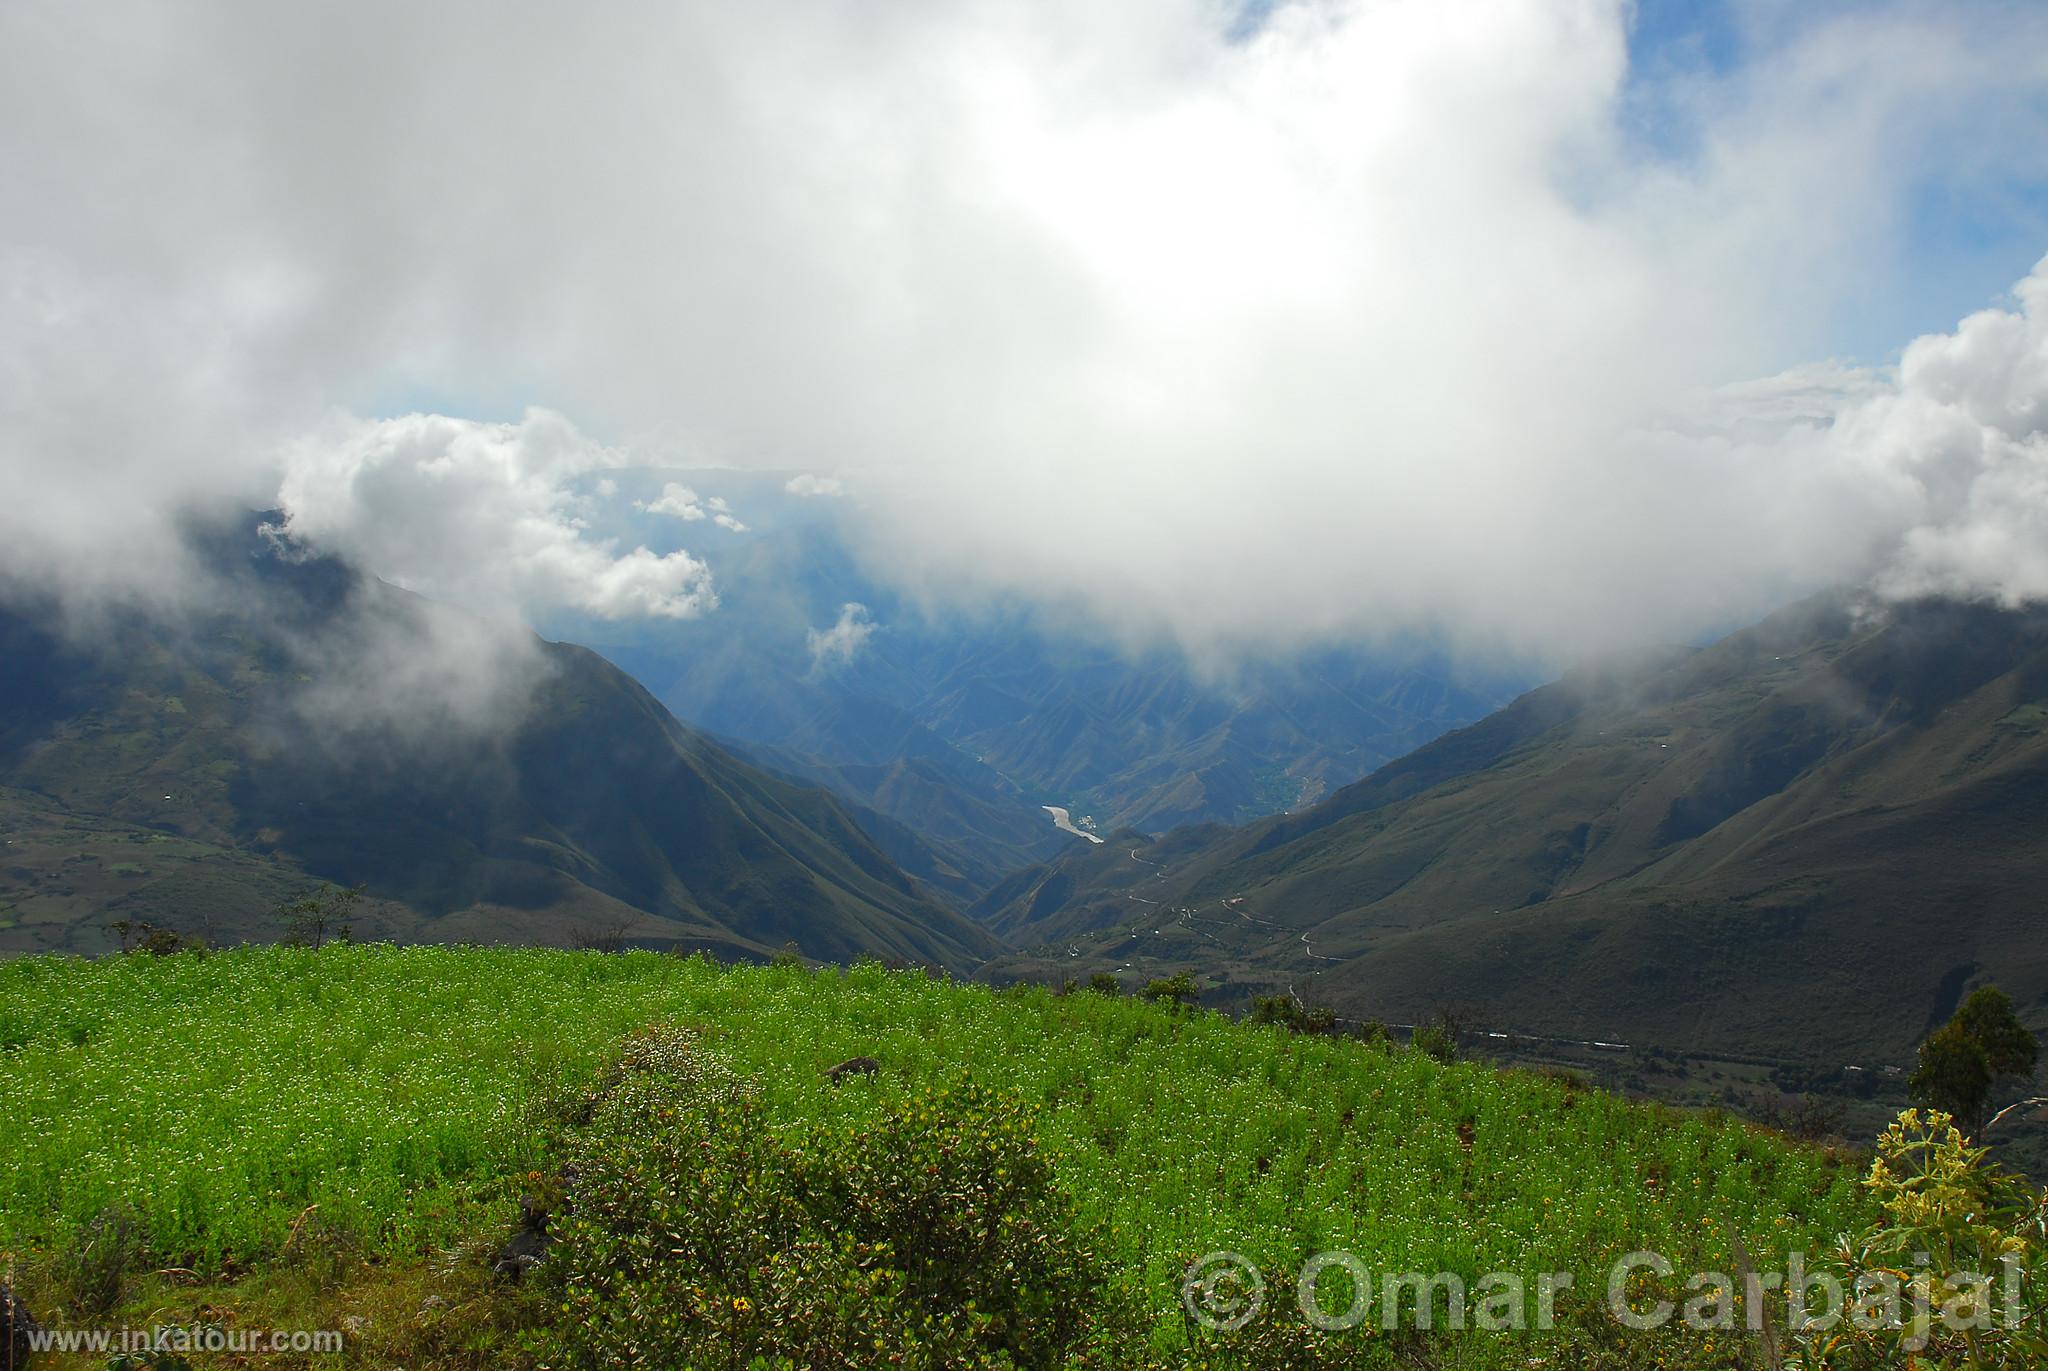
<point>1982,1045</point>
<point>401,1101</point>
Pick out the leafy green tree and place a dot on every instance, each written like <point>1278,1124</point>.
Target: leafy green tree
<point>1988,1017</point>
<point>1953,1075</point>
<point>1177,992</point>
<point>315,920</point>
<point>1964,1060</point>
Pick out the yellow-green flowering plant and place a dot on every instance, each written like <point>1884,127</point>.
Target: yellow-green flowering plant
<point>1950,1275</point>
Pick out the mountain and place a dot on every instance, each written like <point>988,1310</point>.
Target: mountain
<point>316,726</point>
<point>1806,840</point>
<point>935,823</point>
<point>1002,711</point>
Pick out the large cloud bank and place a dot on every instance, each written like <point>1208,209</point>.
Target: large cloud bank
<point>478,514</point>
<point>1375,316</point>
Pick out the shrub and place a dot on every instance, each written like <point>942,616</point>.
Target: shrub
<point>1807,1117</point>
<point>692,1235</point>
<point>145,938</point>
<point>1435,1040</point>
<point>90,1269</point>
<point>1292,1015</point>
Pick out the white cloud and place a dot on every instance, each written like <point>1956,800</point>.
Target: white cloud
<point>677,501</point>
<point>1965,437</point>
<point>1377,318</point>
<point>681,502</point>
<point>812,486</point>
<point>479,515</point>
<point>722,515</point>
<point>414,674</point>
<point>840,644</point>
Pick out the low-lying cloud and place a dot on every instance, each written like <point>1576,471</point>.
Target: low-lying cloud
<point>811,486</point>
<point>1361,318</point>
<point>838,645</point>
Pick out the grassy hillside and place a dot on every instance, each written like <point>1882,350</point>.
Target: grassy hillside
<point>1720,849</point>
<point>402,1091</point>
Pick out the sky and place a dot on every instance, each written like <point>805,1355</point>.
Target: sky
<point>1542,325</point>
<point>1957,246</point>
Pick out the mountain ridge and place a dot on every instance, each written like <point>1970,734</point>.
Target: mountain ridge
<point>592,805</point>
<point>1731,847</point>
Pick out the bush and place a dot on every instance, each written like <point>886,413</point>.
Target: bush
<point>1294,1016</point>
<point>90,1270</point>
<point>147,939</point>
<point>1808,1117</point>
<point>1435,1040</point>
<point>933,1235</point>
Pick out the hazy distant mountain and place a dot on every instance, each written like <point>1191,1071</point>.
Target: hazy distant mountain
<point>1810,836</point>
<point>961,726</point>
<point>194,771</point>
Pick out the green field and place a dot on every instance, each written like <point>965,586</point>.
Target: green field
<point>400,1090</point>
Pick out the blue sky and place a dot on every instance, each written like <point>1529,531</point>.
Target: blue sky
<point>1958,246</point>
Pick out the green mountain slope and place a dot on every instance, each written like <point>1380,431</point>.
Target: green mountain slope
<point>193,772</point>
<point>1805,840</point>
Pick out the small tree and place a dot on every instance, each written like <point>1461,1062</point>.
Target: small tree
<point>1176,992</point>
<point>1102,983</point>
<point>315,920</point>
<point>1988,1017</point>
<point>1964,1060</point>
